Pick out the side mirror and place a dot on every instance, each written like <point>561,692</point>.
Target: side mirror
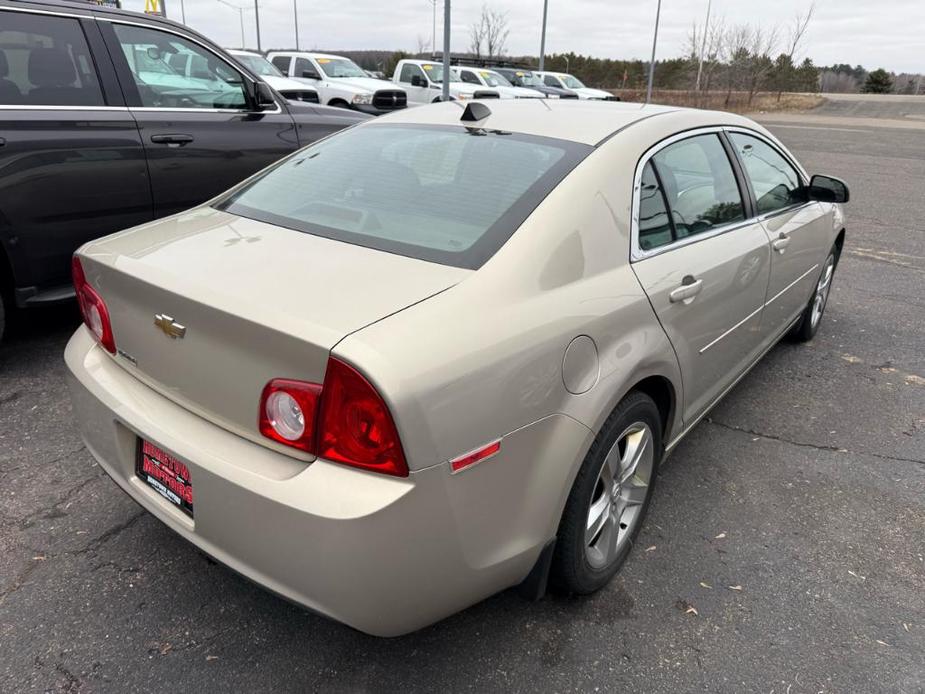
<point>828,189</point>
<point>310,75</point>
<point>416,81</point>
<point>263,96</point>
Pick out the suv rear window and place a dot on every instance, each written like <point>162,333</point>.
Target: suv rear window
<point>446,194</point>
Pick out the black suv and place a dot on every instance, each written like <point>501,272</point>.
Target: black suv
<point>99,131</point>
<point>525,78</point>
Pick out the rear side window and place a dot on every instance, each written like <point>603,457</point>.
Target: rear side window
<point>654,223</point>
<point>282,62</point>
<point>550,81</point>
<point>45,61</point>
<point>450,195</point>
<point>699,184</point>
<point>776,183</point>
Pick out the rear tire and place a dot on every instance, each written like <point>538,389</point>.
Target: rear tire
<point>811,319</point>
<point>610,497</point>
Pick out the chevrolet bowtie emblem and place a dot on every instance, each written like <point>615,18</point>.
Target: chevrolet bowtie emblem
<point>169,326</point>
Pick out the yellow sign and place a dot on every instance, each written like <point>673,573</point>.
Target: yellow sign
<point>153,7</point>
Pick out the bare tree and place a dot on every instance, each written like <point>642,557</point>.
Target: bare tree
<point>477,34</point>
<point>763,44</point>
<point>707,44</point>
<point>496,31</point>
<point>796,34</point>
<point>423,45</point>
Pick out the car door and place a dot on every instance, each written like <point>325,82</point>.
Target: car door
<point>703,261</point>
<point>799,229</point>
<point>419,93</point>
<point>72,166</point>
<point>200,129</point>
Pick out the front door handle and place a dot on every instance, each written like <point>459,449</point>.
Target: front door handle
<point>172,139</point>
<point>781,242</point>
<point>687,291</point>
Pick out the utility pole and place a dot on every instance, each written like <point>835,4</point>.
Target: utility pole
<point>295,14</point>
<point>703,46</point>
<point>257,16</point>
<point>433,35</point>
<point>543,37</point>
<point>446,51</point>
<point>240,11</point>
<point>658,13</point>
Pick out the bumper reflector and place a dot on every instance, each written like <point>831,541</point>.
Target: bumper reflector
<point>476,456</point>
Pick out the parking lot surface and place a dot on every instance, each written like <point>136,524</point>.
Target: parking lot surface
<point>784,550</point>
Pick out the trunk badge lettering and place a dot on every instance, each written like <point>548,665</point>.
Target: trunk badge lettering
<point>169,326</point>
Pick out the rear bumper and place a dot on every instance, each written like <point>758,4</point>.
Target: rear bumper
<point>384,555</point>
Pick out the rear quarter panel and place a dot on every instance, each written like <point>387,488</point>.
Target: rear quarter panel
<point>485,357</point>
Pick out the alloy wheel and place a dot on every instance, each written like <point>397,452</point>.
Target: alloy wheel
<point>619,494</point>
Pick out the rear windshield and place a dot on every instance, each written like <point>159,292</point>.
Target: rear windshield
<point>446,194</point>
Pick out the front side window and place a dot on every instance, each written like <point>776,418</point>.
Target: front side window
<point>173,72</point>
<point>450,195</point>
<point>573,82</point>
<point>409,70</point>
<point>700,186</point>
<point>45,61</point>
<point>304,68</point>
<point>776,183</point>
<point>467,76</point>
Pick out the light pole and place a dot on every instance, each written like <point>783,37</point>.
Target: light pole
<point>240,16</point>
<point>433,35</point>
<point>703,46</point>
<point>257,17</point>
<point>446,51</point>
<point>543,37</point>
<point>295,14</point>
<point>566,64</point>
<point>658,12</point>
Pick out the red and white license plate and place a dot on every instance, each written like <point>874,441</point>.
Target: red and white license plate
<point>165,474</point>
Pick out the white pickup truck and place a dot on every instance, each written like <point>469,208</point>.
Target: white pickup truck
<point>340,82</point>
<point>561,80</point>
<point>423,82</point>
<point>489,78</point>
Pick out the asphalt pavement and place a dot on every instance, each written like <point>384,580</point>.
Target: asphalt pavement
<point>784,550</point>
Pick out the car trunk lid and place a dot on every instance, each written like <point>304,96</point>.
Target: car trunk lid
<point>253,302</point>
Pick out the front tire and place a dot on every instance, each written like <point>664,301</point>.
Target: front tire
<point>338,103</point>
<point>609,498</point>
<point>809,322</point>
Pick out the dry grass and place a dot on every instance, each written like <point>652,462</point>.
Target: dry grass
<point>737,102</point>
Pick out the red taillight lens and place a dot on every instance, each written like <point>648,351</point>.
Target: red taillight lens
<point>288,411</point>
<point>354,426</point>
<point>92,308</point>
<point>345,420</point>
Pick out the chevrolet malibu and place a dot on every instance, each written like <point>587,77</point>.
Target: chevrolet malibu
<point>443,353</point>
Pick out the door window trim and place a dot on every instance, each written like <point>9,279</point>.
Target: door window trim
<point>637,253</point>
<point>186,37</point>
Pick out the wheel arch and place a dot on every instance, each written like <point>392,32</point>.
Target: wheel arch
<point>839,244</point>
<point>662,392</point>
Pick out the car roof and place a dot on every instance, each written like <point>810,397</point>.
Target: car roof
<point>587,122</point>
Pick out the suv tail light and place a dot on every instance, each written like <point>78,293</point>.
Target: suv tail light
<point>345,420</point>
<point>92,308</point>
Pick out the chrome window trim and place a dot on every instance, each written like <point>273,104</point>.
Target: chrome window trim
<point>26,107</point>
<point>30,10</point>
<point>166,30</point>
<point>637,253</point>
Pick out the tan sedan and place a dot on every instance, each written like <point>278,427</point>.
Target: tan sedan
<point>443,353</point>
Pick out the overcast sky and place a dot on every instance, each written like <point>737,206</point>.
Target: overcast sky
<point>889,33</point>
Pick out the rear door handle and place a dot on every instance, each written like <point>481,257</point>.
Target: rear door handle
<point>172,139</point>
<point>687,291</point>
<point>781,242</point>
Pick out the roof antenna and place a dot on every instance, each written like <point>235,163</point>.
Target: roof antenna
<point>475,111</point>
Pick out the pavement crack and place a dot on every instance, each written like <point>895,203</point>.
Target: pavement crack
<point>815,446</point>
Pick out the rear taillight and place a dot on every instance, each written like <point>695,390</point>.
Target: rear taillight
<point>92,308</point>
<point>345,420</point>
